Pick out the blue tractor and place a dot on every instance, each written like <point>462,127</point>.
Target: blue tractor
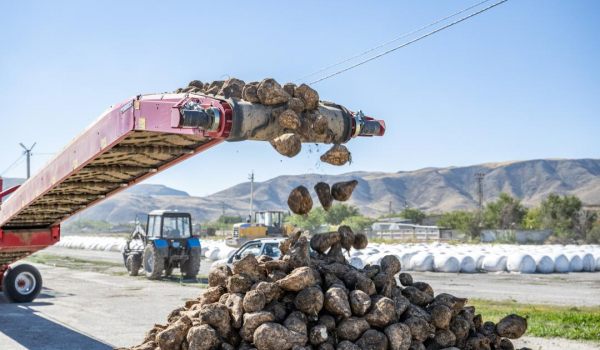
<point>164,244</point>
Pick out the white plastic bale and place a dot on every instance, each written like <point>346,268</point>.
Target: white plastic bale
<point>479,262</point>
<point>356,262</point>
<point>589,263</point>
<point>422,262</point>
<point>213,254</point>
<point>494,263</point>
<point>561,263</point>
<point>520,262</point>
<point>446,263</point>
<point>575,262</point>
<point>598,262</point>
<point>467,264</point>
<point>543,263</point>
<point>203,251</point>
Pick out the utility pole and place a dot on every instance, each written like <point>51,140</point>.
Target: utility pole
<point>28,153</point>
<point>251,178</point>
<point>390,210</point>
<point>480,177</point>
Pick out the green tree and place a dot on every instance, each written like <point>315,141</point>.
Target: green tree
<point>357,223</point>
<point>505,213</point>
<point>339,212</point>
<point>533,220</point>
<point>415,215</point>
<point>559,213</point>
<point>469,223</point>
<point>311,222</point>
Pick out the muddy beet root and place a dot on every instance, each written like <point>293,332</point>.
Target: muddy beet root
<point>310,301</point>
<point>360,241</point>
<point>203,337</point>
<point>324,194</point>
<point>317,335</point>
<point>296,105</point>
<point>254,301</point>
<point>373,340</point>
<point>273,336</point>
<point>352,328</point>
<point>399,336</point>
<point>290,88</point>
<point>360,302</point>
<point>249,93</point>
<point>342,191</point>
<point>172,337</point>
<point>271,93</point>
<point>336,302</point>
<point>290,120</point>
<point>382,313</point>
<point>298,280</point>
<point>215,87</point>
<point>300,201</point>
<point>337,155</point>
<point>253,320</point>
<point>288,145</point>
<point>512,327</point>
<point>308,95</point>
<point>218,275</point>
<point>232,88</point>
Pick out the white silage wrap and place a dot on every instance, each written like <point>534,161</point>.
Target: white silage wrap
<point>422,262</point>
<point>356,262</point>
<point>520,262</point>
<point>575,263</point>
<point>465,258</point>
<point>446,263</point>
<point>544,263</point>
<point>494,263</point>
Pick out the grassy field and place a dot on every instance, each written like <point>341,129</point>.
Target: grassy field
<point>577,323</point>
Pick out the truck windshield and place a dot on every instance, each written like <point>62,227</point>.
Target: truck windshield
<point>176,227</point>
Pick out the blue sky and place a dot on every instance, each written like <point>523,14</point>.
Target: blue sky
<point>521,81</point>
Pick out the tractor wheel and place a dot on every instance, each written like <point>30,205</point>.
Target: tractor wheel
<point>133,264</point>
<point>22,283</point>
<point>153,264</point>
<point>190,267</point>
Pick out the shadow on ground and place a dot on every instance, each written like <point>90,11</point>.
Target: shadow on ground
<point>28,328</point>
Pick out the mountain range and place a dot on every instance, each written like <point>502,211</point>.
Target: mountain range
<point>429,189</point>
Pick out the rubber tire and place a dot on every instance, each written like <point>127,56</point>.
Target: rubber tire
<point>191,267</point>
<point>8,284</point>
<point>153,271</point>
<point>134,263</point>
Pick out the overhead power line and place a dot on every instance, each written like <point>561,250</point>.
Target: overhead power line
<point>12,165</point>
<point>392,41</point>
<point>409,42</point>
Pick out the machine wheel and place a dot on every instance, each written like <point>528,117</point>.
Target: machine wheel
<point>22,283</point>
<point>133,264</point>
<point>153,264</point>
<point>190,267</point>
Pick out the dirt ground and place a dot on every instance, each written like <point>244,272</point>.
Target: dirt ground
<point>102,309</point>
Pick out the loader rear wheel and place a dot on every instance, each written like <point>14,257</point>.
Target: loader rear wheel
<point>153,264</point>
<point>22,283</point>
<point>191,267</point>
<point>133,264</point>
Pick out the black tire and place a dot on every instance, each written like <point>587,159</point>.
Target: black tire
<point>190,267</point>
<point>22,283</point>
<point>133,264</point>
<point>153,265</point>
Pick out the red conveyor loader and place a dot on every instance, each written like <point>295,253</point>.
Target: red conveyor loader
<point>128,143</point>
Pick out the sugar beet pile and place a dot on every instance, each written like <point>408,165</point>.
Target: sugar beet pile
<point>297,111</point>
<point>304,302</point>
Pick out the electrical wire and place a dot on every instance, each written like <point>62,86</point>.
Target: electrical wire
<point>12,165</point>
<point>408,42</point>
<point>392,41</point>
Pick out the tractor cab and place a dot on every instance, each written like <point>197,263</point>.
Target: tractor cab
<point>267,223</point>
<point>166,243</point>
